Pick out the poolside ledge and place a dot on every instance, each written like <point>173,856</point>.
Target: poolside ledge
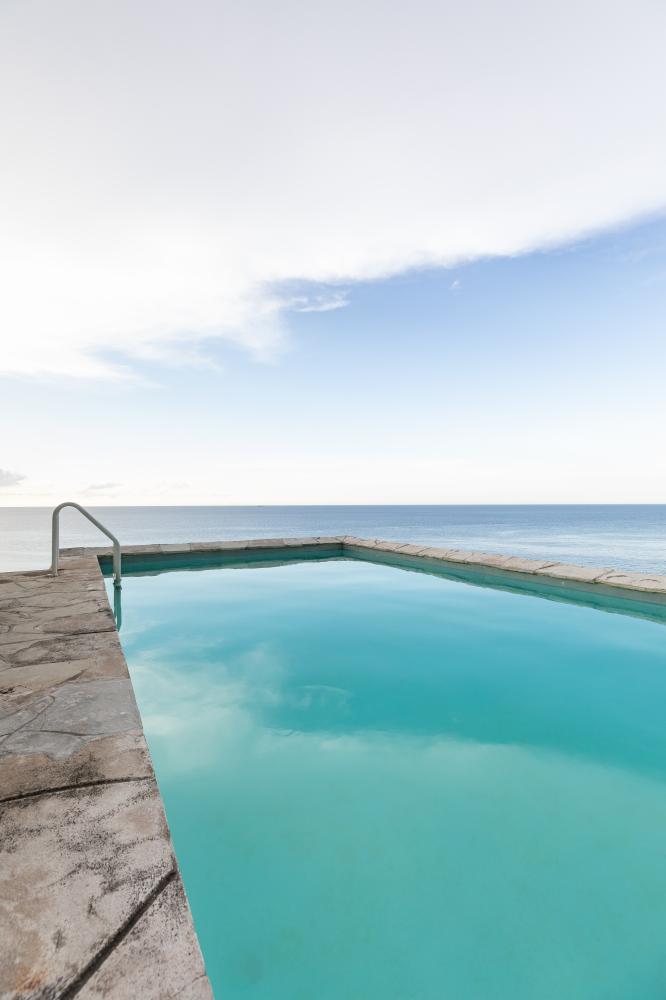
<point>641,586</point>
<point>91,900</point>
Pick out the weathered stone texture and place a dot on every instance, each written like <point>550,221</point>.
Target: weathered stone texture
<point>86,863</point>
<point>136,966</point>
<point>566,571</point>
<point>75,865</point>
<point>635,581</point>
<point>98,759</point>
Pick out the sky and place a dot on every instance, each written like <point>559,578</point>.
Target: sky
<point>265,253</point>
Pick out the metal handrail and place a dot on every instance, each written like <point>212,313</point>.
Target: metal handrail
<point>55,538</point>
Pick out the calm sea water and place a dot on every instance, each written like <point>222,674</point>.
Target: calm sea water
<point>387,785</point>
<point>626,537</point>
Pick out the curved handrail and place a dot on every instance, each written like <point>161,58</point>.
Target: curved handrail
<point>55,538</point>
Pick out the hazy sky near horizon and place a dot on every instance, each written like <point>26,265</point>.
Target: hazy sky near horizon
<point>326,253</point>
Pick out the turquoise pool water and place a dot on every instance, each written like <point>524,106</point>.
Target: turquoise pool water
<point>389,785</point>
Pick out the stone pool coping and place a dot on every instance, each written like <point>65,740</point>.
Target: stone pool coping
<point>640,586</point>
<point>91,900</point>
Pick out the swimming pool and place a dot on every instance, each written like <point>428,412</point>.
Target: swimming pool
<point>385,784</point>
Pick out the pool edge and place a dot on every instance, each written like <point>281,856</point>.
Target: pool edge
<point>586,579</point>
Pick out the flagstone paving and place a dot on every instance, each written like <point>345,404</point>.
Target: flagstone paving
<point>91,902</point>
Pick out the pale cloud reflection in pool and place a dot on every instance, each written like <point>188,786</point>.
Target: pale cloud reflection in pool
<point>407,788</point>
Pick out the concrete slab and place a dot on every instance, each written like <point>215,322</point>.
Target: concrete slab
<point>567,571</point>
<point>310,541</point>
<point>28,626</point>
<point>135,967</point>
<point>85,852</point>
<point>75,866</point>
<point>26,678</point>
<point>94,761</point>
<point>97,652</point>
<point>431,552</point>
<point>407,549</point>
<point>520,565</point>
<point>635,581</point>
<point>60,721</point>
<point>361,543</point>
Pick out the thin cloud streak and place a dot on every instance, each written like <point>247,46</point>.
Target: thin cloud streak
<point>103,488</point>
<point>320,303</point>
<point>8,478</point>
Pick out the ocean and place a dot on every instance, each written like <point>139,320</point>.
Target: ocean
<point>629,537</point>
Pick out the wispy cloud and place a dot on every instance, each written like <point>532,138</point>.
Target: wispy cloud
<point>101,488</point>
<point>319,303</point>
<point>8,478</point>
<point>123,243</point>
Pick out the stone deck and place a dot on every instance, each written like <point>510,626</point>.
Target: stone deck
<point>91,901</point>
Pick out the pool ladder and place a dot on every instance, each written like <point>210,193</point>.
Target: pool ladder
<point>55,539</point>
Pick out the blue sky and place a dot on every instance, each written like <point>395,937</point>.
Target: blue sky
<point>528,379</point>
<point>368,255</point>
